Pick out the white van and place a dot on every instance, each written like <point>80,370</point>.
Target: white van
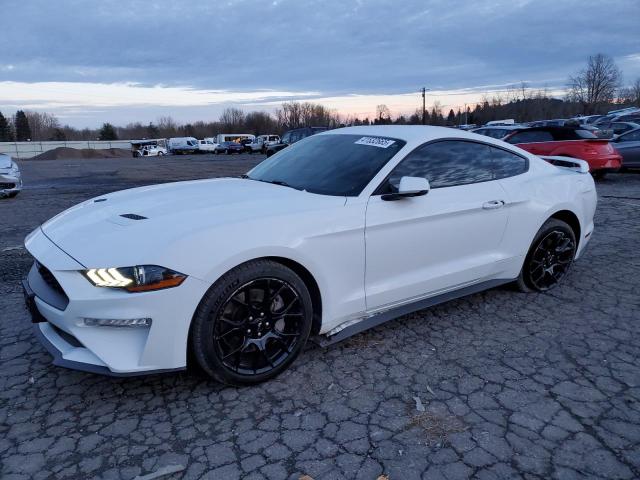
<point>183,145</point>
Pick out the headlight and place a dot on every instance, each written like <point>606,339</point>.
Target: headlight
<point>14,169</point>
<point>143,278</point>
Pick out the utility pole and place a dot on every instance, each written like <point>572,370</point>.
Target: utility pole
<point>424,107</point>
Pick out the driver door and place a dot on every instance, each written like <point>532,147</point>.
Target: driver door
<point>421,246</point>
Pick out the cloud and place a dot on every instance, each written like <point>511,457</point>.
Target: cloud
<point>43,95</point>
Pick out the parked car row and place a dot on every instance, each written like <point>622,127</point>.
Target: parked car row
<point>576,141</point>
<point>222,143</point>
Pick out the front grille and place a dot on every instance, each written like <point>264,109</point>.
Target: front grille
<point>7,186</point>
<point>48,277</point>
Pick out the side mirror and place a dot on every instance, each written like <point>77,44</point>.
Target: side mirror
<point>409,187</point>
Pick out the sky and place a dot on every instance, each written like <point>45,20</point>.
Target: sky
<point>125,61</point>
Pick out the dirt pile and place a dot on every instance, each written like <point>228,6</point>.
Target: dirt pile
<point>67,153</point>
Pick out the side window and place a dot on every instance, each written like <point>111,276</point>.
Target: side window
<point>630,137</point>
<point>618,128</point>
<point>531,137</point>
<point>507,164</point>
<point>445,164</point>
<point>294,137</point>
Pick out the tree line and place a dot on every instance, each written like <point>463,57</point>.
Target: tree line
<point>595,89</point>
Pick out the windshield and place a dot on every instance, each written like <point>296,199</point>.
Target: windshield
<point>339,165</point>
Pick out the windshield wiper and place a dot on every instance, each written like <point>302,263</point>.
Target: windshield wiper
<point>280,182</point>
<point>275,182</point>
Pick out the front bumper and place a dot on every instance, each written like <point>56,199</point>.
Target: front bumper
<point>58,312</point>
<point>10,184</point>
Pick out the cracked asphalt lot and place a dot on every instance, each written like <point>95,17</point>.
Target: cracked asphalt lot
<point>512,385</point>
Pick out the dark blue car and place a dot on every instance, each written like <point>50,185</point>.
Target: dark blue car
<point>229,148</point>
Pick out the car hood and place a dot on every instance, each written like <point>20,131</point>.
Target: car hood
<point>148,224</point>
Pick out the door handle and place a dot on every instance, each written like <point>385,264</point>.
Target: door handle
<point>493,204</point>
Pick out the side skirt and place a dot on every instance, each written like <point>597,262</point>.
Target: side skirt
<point>379,318</point>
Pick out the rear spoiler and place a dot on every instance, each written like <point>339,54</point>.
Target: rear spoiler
<point>574,164</point>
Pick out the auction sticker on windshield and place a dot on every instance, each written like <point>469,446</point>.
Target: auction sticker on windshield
<point>375,142</point>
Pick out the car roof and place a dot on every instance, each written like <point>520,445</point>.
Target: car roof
<point>499,127</point>
<point>553,128</point>
<point>408,133</point>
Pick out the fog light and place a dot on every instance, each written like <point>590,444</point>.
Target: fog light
<point>117,322</point>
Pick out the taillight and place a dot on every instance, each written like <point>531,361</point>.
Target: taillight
<point>590,150</point>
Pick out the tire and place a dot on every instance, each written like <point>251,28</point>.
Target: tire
<point>228,152</point>
<point>549,258</point>
<point>240,342</point>
<point>599,174</point>
<point>160,154</point>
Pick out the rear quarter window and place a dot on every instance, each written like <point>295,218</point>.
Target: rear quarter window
<point>507,164</point>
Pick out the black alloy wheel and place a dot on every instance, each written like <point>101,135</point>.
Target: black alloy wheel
<point>252,323</point>
<point>258,327</point>
<point>549,258</point>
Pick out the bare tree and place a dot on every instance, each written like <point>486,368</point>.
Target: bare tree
<point>232,119</point>
<point>595,85</point>
<point>167,126</point>
<point>260,123</point>
<point>383,114</point>
<point>630,95</point>
<point>43,125</point>
<point>306,114</point>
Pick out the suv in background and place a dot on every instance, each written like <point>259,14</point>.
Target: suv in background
<point>292,136</point>
<point>498,132</point>
<point>574,142</point>
<point>617,128</point>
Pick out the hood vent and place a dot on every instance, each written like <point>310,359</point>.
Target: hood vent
<point>133,216</point>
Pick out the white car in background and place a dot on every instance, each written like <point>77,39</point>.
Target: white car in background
<point>152,151</point>
<point>242,271</point>
<point>10,177</point>
<point>207,145</point>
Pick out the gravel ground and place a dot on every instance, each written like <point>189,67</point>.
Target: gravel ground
<point>497,385</point>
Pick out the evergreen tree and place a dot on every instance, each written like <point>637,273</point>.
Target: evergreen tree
<point>451,118</point>
<point>108,132</point>
<point>23,131</point>
<point>6,135</point>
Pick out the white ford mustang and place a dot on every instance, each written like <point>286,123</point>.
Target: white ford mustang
<point>333,235</point>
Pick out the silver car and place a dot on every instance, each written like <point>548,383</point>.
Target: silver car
<point>10,178</point>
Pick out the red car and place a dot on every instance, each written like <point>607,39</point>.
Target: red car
<point>569,142</point>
